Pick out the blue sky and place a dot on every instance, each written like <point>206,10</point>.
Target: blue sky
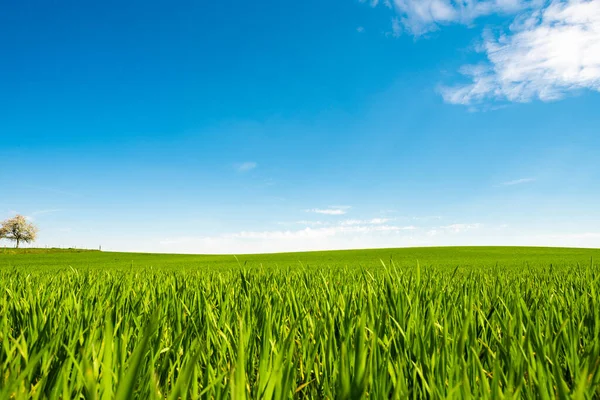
<point>239,127</point>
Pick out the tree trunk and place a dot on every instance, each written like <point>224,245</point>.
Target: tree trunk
<point>18,240</point>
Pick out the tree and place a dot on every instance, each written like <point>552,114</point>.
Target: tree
<point>18,229</point>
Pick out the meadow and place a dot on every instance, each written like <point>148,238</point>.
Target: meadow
<point>463,322</point>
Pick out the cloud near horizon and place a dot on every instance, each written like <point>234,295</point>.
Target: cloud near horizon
<point>453,229</point>
<point>344,235</point>
<point>318,232</point>
<point>332,210</point>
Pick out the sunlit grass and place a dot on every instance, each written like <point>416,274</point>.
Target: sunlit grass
<point>386,330</point>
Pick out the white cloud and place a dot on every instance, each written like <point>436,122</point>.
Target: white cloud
<point>332,210</point>
<point>360,29</point>
<point>546,54</point>
<point>454,228</point>
<point>318,232</point>
<point>327,211</point>
<point>427,218</point>
<point>518,181</point>
<point>246,166</point>
<point>321,238</point>
<point>373,221</point>
<point>340,236</point>
<point>378,221</point>
<point>311,223</point>
<point>422,16</point>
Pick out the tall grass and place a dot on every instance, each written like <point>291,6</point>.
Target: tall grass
<point>346,333</point>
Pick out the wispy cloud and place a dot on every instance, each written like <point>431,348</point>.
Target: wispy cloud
<point>329,237</point>
<point>311,223</point>
<point>331,210</point>
<point>551,49</point>
<point>421,16</point>
<point>360,29</point>
<point>518,181</point>
<point>319,232</point>
<point>246,166</point>
<point>327,211</point>
<point>547,53</point>
<point>372,221</point>
<point>427,218</point>
<point>454,229</point>
<point>336,236</point>
<point>458,228</point>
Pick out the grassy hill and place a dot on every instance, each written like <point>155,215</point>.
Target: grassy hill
<point>369,258</point>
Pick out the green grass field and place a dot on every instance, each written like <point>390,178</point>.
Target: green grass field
<point>471,322</point>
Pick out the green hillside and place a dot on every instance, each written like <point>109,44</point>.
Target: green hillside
<point>371,258</point>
